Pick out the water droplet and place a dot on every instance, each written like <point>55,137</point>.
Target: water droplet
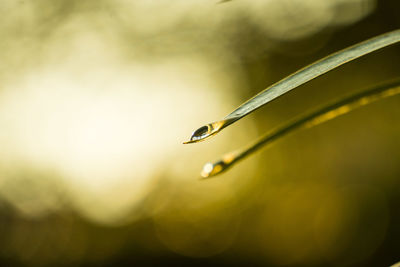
<point>211,169</point>
<point>201,133</point>
<point>208,130</point>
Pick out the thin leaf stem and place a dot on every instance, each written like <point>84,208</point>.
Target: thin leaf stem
<point>308,120</point>
<point>296,79</point>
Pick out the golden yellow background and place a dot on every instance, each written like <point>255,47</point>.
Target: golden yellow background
<point>96,98</point>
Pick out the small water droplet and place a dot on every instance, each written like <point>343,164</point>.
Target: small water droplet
<point>200,133</point>
<point>211,169</point>
<point>208,130</point>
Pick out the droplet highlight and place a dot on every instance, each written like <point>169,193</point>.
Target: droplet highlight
<point>208,130</point>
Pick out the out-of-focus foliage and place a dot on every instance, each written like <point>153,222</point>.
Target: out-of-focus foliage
<point>97,96</point>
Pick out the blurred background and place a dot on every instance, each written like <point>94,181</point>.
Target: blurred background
<point>96,98</point>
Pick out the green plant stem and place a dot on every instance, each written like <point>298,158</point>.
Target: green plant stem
<point>296,79</point>
<point>309,120</point>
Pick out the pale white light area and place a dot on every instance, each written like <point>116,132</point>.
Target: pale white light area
<point>106,126</point>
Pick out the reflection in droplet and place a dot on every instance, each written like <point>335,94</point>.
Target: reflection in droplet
<point>208,130</point>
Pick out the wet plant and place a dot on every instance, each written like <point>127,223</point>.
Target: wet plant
<point>302,76</point>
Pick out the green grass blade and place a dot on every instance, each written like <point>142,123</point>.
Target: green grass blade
<point>296,79</point>
<point>309,120</point>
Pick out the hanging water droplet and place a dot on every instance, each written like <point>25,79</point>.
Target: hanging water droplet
<point>201,133</point>
<point>208,130</point>
<point>211,169</point>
